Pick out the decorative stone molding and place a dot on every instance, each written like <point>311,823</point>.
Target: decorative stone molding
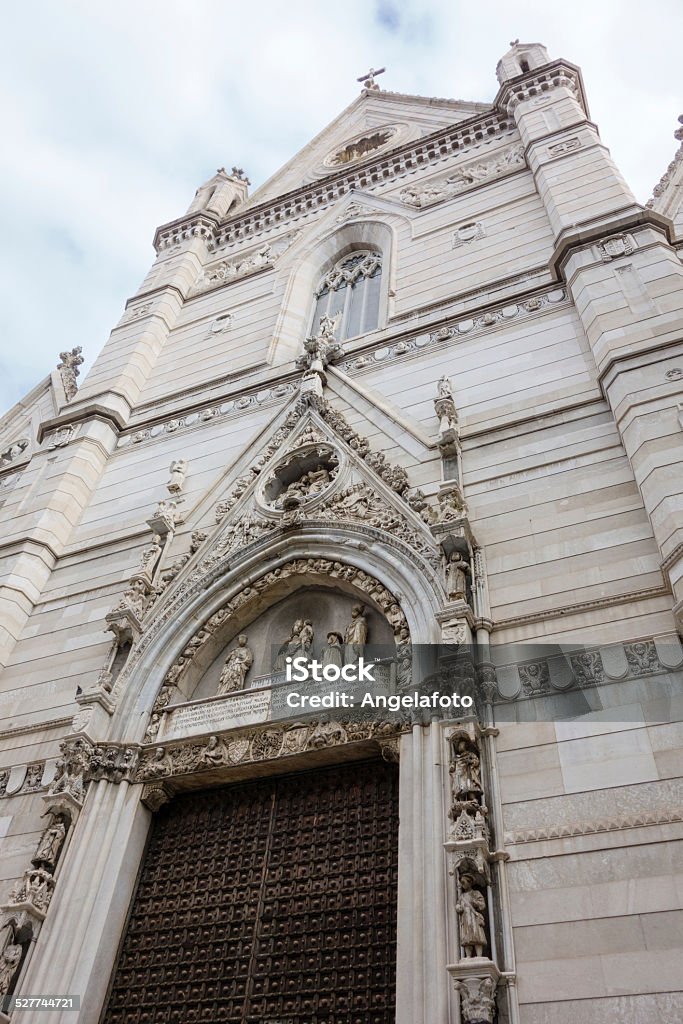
<point>371,358</point>
<point>467,233</point>
<point>15,452</point>
<point>61,437</point>
<point>556,75</point>
<point>662,816</point>
<point>463,178</point>
<point>564,147</point>
<point>20,779</point>
<point>589,668</point>
<point>266,743</point>
<point>492,318</point>
<point>615,246</point>
<point>312,198</point>
<point>353,211</point>
<point>228,270</point>
<point>68,370</point>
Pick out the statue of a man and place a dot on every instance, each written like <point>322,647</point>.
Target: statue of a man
<point>471,907</point>
<point>238,663</point>
<point>466,770</point>
<point>50,844</point>
<point>332,652</point>
<point>356,635</point>
<point>9,961</point>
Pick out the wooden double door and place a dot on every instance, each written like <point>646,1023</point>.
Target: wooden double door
<point>268,902</point>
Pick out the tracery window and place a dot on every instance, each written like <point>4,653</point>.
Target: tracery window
<point>351,288</point>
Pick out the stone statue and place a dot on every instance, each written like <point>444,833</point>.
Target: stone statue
<point>332,652</point>
<point>356,635</point>
<point>291,647</point>
<point>149,559</point>
<point>178,470</point>
<point>457,570</point>
<point>9,961</point>
<point>50,844</point>
<point>465,770</point>
<point>471,907</point>
<point>306,638</point>
<point>68,370</point>
<point>444,387</point>
<point>238,663</point>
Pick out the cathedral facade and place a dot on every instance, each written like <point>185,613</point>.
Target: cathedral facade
<point>417,398</point>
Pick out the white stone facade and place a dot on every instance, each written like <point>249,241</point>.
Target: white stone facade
<point>140,538</point>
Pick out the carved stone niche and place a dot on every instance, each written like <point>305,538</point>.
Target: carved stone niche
<point>306,474</point>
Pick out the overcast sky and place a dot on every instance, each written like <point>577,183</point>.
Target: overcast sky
<point>113,114</point>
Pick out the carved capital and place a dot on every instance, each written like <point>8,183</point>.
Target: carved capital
<point>154,796</point>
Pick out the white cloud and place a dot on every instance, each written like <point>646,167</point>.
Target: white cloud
<point>113,114</point>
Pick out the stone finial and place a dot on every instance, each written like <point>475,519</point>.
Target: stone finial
<point>68,370</point>
<point>368,79</point>
<point>678,134</point>
<point>222,193</point>
<point>520,58</point>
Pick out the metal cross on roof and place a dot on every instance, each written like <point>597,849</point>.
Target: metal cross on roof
<point>368,79</point>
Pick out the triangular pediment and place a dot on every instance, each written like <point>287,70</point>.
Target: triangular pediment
<point>375,123</point>
<point>310,468</point>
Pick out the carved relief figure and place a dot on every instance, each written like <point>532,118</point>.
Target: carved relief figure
<point>471,907</point>
<point>356,635</point>
<point>291,647</point>
<point>332,652</point>
<point>238,663</point>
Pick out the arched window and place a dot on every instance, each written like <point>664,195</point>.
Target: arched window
<point>352,288</point>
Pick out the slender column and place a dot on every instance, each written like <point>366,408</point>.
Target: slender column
<point>421,990</point>
<point>77,944</point>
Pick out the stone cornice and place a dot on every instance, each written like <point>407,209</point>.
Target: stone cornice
<point>89,411</point>
<point>421,153</point>
<point>573,609</point>
<point>533,84</point>
<point>629,218</point>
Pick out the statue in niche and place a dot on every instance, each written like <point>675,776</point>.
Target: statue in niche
<point>9,961</point>
<point>465,771</point>
<point>50,845</point>
<point>290,648</point>
<point>356,635</point>
<point>457,571</point>
<point>237,664</point>
<point>471,907</point>
<point>333,653</point>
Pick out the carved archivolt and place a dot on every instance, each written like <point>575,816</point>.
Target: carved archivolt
<point>251,595</point>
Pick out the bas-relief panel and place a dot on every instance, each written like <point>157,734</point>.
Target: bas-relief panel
<point>326,610</point>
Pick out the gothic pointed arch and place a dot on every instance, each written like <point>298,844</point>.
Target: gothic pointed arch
<point>313,256</point>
